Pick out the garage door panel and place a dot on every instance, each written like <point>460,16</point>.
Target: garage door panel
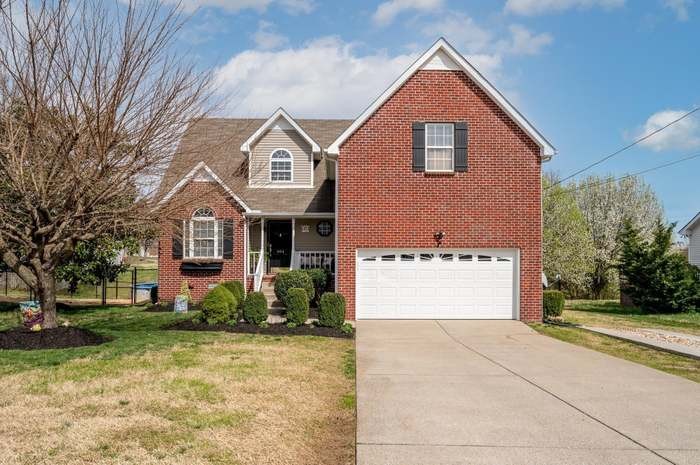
<point>435,283</point>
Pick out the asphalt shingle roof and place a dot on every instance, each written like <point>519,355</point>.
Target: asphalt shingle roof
<point>217,142</point>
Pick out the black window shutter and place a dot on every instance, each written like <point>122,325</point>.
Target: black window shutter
<point>228,239</point>
<point>461,141</point>
<point>177,239</point>
<point>418,146</point>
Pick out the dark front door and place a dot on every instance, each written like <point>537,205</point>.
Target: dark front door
<point>279,243</point>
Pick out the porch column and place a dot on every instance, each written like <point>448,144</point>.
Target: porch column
<point>262,242</point>
<point>293,258</point>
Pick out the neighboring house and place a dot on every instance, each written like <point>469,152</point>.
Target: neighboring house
<point>425,206</point>
<point>692,232</point>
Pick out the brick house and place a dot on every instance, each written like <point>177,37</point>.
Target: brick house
<point>425,206</point>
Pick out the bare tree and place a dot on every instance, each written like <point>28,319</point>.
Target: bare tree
<point>93,100</point>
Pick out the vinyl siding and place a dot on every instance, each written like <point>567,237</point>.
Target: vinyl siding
<point>302,167</point>
<point>312,240</point>
<point>694,247</point>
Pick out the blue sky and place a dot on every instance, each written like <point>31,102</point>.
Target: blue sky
<point>590,74</point>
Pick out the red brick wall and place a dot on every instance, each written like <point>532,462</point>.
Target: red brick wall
<point>495,204</point>
<point>193,196</point>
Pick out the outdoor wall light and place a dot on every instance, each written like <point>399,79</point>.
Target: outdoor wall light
<point>439,236</point>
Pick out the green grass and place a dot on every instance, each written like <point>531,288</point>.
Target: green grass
<point>155,396</point>
<point>670,363</point>
<point>610,314</point>
<point>132,331</point>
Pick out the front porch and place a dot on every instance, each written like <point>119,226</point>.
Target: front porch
<point>278,244</point>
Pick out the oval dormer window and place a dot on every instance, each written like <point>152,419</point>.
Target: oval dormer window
<point>281,166</point>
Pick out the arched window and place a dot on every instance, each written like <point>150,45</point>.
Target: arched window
<point>203,235</point>
<point>281,166</point>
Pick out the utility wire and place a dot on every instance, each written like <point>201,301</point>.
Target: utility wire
<point>627,147</point>
<point>610,180</point>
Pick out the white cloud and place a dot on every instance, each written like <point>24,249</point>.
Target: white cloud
<point>483,48</point>
<point>266,38</point>
<point>291,6</point>
<point>683,135</point>
<point>524,42</point>
<point>388,11</point>
<point>324,78</point>
<point>537,7</point>
<point>679,7</point>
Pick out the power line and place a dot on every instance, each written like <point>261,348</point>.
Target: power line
<point>627,147</point>
<point>610,180</point>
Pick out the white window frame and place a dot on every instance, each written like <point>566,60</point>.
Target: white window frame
<point>451,147</point>
<point>291,166</point>
<point>188,242</point>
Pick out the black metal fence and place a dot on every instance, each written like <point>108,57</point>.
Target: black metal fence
<point>132,286</point>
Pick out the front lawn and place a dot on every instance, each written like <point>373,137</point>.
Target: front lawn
<point>162,397</point>
<point>610,314</point>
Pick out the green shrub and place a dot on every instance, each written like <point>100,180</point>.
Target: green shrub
<point>297,306</point>
<point>219,306</point>
<point>319,277</point>
<point>255,308</point>
<point>291,279</point>
<point>331,310</point>
<point>552,303</point>
<point>236,288</point>
<point>347,328</point>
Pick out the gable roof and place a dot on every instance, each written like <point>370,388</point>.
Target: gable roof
<point>201,166</point>
<point>443,56</point>
<point>216,142</point>
<point>279,114</point>
<point>687,229</point>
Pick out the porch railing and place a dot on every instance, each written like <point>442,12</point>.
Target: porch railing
<point>259,272</point>
<point>314,259</point>
<point>253,256</point>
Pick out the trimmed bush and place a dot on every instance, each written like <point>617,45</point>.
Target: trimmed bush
<point>236,288</point>
<point>297,306</point>
<point>219,306</point>
<point>552,303</point>
<point>255,308</point>
<point>291,279</point>
<point>319,277</point>
<point>331,310</point>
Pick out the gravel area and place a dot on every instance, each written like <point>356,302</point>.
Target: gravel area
<point>660,335</point>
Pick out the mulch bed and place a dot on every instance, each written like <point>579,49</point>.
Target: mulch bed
<point>62,337</point>
<point>271,330</point>
<point>169,307</point>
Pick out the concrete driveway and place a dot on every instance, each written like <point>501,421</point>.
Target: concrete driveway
<point>496,392</point>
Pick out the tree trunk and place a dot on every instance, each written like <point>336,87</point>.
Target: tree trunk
<point>46,291</point>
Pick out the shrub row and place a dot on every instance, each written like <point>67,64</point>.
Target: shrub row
<point>228,303</point>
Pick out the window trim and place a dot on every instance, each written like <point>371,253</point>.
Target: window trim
<point>291,168</point>
<point>188,242</point>
<point>451,147</point>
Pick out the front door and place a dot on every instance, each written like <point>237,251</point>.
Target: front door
<point>279,243</point>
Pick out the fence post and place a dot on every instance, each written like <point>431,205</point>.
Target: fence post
<point>104,292</point>
<point>7,279</point>
<point>133,286</point>
<point>116,288</point>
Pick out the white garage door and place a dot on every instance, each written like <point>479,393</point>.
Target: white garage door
<point>436,283</point>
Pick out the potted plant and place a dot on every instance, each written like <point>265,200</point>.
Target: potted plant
<point>183,298</point>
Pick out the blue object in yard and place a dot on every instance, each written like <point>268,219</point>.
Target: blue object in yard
<point>145,286</point>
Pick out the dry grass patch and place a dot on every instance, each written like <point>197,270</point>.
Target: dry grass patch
<point>233,399</point>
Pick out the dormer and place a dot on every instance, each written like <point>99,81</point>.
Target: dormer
<point>280,154</point>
